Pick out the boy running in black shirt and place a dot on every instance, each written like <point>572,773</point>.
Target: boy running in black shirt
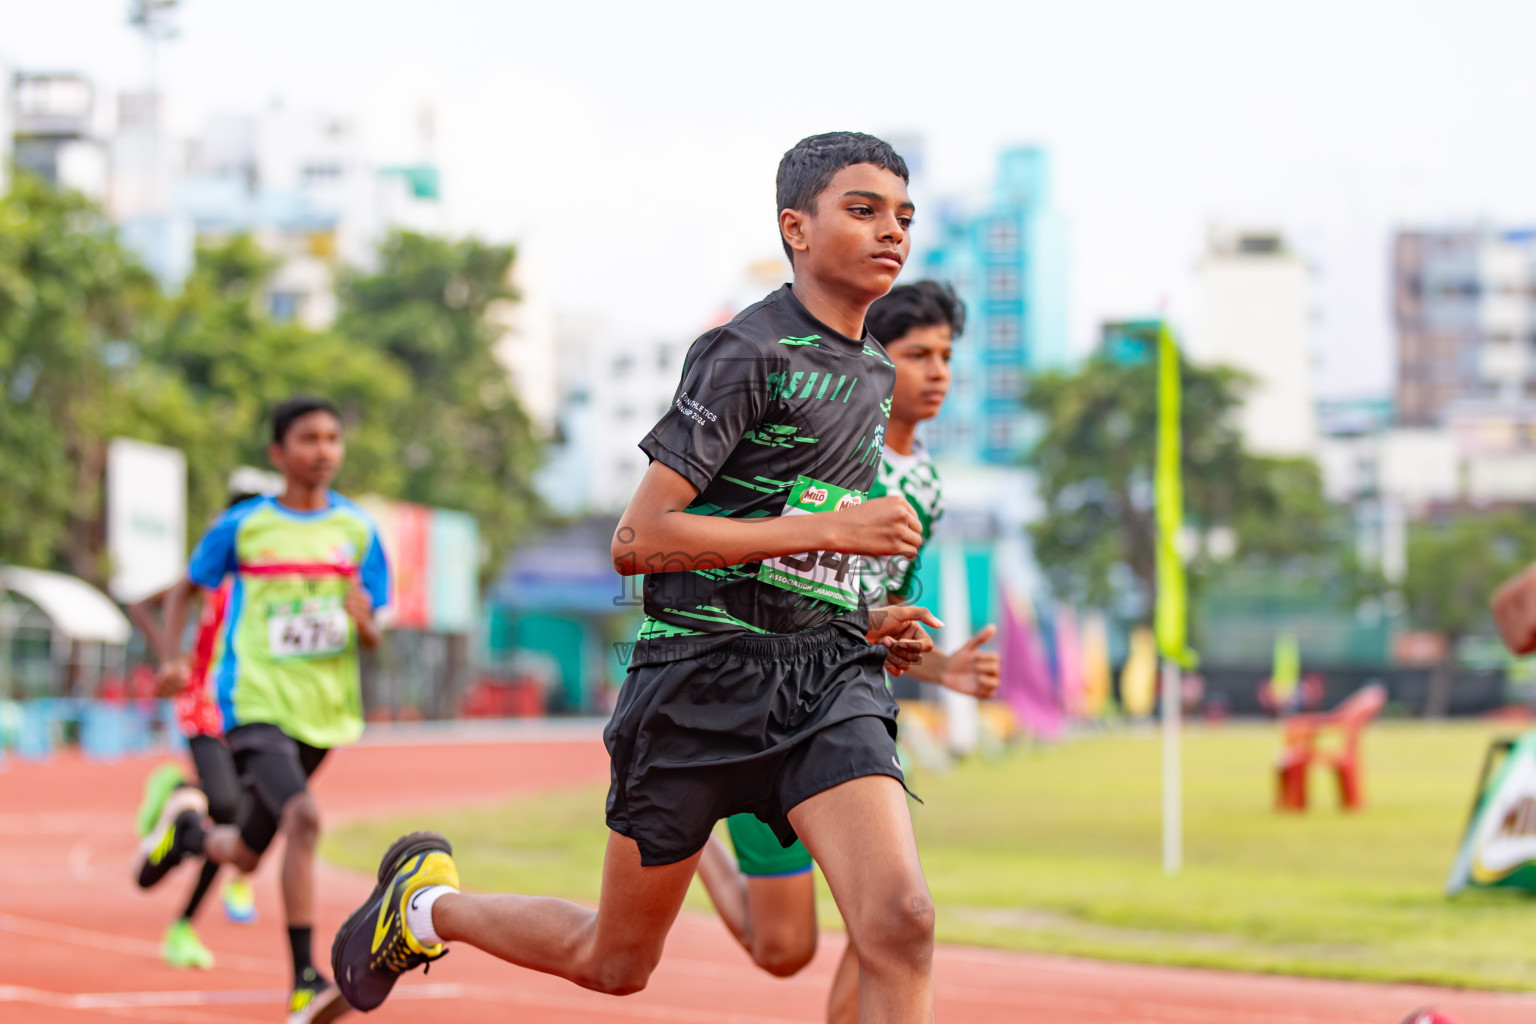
<point>754,685</point>
<point>764,891</point>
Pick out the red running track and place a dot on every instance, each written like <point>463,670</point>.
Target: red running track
<point>79,944</point>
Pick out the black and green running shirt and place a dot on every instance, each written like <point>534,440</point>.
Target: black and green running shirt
<point>772,399</point>
<point>915,478</point>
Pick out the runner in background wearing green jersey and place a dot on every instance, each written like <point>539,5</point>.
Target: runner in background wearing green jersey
<point>765,894</point>
<point>309,573</point>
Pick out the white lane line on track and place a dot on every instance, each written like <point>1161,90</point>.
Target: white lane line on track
<point>1125,1008</point>
<point>182,997</point>
<point>64,823</point>
<point>143,947</point>
<point>1185,979</point>
<point>122,944</point>
<point>80,861</point>
<point>620,1009</point>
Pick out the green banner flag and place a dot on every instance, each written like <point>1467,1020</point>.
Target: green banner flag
<point>1172,621</point>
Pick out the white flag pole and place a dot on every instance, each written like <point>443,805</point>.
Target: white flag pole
<point>1173,782</point>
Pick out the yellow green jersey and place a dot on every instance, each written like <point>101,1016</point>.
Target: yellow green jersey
<point>287,652</point>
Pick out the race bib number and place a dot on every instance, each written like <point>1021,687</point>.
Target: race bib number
<point>313,628</point>
<point>830,576</point>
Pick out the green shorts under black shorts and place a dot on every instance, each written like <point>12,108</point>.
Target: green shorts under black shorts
<point>759,853</point>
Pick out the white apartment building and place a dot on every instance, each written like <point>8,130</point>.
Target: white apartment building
<point>613,390</point>
<point>528,348</point>
<point>52,131</point>
<point>1256,316</point>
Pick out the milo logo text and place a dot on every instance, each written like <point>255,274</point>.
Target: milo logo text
<point>1519,820</point>
<point>848,501</point>
<point>813,496</point>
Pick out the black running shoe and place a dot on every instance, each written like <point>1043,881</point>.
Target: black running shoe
<point>315,1001</point>
<point>375,947</point>
<point>166,845</point>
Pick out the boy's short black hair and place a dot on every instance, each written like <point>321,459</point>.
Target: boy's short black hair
<point>284,415</point>
<point>808,167</point>
<point>921,304</point>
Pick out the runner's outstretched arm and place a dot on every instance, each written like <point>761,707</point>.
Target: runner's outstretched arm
<point>969,670</point>
<point>360,607</point>
<point>142,614</point>
<point>173,674</point>
<point>657,534</point>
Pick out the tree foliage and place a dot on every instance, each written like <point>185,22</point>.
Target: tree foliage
<point>1094,461</point>
<point>429,308</point>
<point>90,350</point>
<point>72,305</point>
<point>1454,567</point>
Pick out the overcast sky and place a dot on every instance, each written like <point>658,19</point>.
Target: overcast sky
<point>630,147</point>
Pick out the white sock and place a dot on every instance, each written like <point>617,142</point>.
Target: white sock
<point>418,913</point>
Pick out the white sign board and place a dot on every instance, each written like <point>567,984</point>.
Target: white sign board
<point>146,517</point>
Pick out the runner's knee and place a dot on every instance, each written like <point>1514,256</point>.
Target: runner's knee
<point>784,951</point>
<point>301,820</point>
<point>621,974</point>
<point>243,857</point>
<point>899,928</point>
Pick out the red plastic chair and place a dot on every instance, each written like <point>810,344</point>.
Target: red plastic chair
<point>1299,749</point>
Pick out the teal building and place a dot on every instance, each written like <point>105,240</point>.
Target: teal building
<point>1007,258</point>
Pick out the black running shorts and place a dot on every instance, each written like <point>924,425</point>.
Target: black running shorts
<point>217,777</point>
<point>756,726</point>
<point>275,768</point>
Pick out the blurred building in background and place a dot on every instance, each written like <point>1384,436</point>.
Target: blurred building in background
<point>528,349</point>
<point>1465,307</point>
<point>144,163</point>
<point>1007,259</point>
<point>612,389</point>
<point>558,620</point>
<point>52,131</point>
<point>302,184</point>
<point>1256,316</point>
<point>1464,301</point>
<point>6,138</point>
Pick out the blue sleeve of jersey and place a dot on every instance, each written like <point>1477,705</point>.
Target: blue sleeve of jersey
<point>214,556</point>
<point>374,572</point>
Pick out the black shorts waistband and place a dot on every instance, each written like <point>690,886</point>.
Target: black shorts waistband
<point>782,645</point>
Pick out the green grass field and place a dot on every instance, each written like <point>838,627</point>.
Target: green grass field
<point>1057,849</point>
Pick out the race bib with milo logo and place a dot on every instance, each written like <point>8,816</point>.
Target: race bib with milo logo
<point>829,576</point>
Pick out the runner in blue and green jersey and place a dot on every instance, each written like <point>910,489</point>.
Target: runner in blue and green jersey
<point>308,574</point>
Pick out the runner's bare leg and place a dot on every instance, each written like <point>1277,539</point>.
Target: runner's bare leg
<point>860,833</point>
<point>611,949</point>
<point>843,999</point>
<point>774,919</point>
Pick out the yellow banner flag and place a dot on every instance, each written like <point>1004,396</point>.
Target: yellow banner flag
<point>1172,617</point>
<point>1138,677</point>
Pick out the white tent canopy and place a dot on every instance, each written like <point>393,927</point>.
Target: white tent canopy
<point>78,610</point>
